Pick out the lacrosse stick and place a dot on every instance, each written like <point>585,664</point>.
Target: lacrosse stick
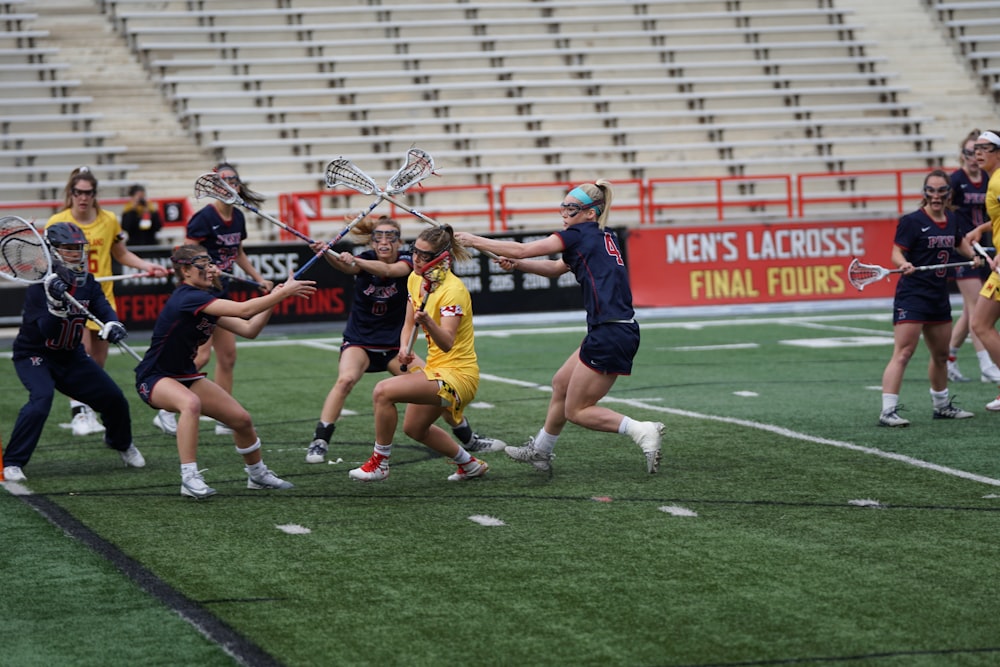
<point>147,274</point>
<point>861,275</point>
<point>123,276</point>
<point>433,273</point>
<point>418,166</point>
<point>342,172</point>
<point>981,251</point>
<point>210,185</point>
<point>25,258</point>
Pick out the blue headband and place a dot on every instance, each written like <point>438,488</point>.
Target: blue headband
<point>578,193</point>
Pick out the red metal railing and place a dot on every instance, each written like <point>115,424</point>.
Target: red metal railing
<point>652,201</point>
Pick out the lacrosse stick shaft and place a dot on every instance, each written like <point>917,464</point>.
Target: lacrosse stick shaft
<point>426,218</point>
<point>248,281</point>
<point>96,320</point>
<point>413,334</point>
<point>327,247</point>
<point>122,276</point>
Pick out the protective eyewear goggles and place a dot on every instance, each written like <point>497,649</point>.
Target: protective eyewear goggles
<point>943,190</point>
<point>575,209</point>
<point>385,235</point>
<point>986,147</point>
<point>83,193</point>
<point>200,262</point>
<point>426,255</point>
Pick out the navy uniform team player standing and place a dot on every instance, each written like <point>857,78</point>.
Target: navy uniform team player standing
<point>922,304</point>
<point>49,355</point>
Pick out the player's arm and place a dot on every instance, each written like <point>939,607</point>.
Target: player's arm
<point>126,257</point>
<point>515,250</point>
<point>550,268</point>
<point>443,333</point>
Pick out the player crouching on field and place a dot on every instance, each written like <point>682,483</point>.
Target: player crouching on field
<point>167,378</point>
<point>440,304</point>
<point>49,354</point>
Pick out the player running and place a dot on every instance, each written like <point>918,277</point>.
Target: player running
<point>593,254</point>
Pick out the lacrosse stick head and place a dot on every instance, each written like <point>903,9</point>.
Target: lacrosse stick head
<point>68,247</point>
<point>861,275</point>
<point>24,255</point>
<point>417,166</point>
<point>210,185</point>
<point>344,172</point>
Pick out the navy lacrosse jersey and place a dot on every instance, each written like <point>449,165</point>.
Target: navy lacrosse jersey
<point>969,199</point>
<point>221,238</point>
<point>596,260</point>
<point>925,242</point>
<point>180,329</point>
<point>44,334</point>
<point>378,309</point>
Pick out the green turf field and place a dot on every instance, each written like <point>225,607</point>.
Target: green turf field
<point>785,527</point>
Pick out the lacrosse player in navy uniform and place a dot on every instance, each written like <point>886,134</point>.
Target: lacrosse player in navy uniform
<point>220,228</point>
<point>168,379</point>
<point>593,254</point>
<point>928,236</point>
<point>968,197</point>
<point>371,337</point>
<point>49,355</point>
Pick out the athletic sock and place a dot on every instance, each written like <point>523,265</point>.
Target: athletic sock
<point>324,431</point>
<point>463,431</point>
<point>889,402</point>
<point>462,457</point>
<point>545,442</point>
<point>384,450</point>
<point>939,398</point>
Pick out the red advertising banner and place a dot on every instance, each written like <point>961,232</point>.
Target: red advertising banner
<point>732,264</point>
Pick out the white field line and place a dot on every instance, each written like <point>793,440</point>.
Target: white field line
<point>777,430</point>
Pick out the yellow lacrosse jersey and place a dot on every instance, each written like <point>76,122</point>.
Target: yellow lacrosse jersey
<point>993,202</point>
<point>457,369</point>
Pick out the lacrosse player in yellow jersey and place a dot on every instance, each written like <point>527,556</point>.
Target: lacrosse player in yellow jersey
<point>105,240</point>
<point>441,305</point>
<point>987,309</point>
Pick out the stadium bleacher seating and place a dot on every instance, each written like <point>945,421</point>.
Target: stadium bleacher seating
<point>975,26</point>
<point>527,90</point>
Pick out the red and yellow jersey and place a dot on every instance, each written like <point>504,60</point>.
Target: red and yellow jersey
<point>993,202</point>
<point>101,235</point>
<point>458,368</point>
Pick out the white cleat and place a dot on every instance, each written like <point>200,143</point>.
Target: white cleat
<point>85,423</point>
<point>133,458</point>
<point>166,421</point>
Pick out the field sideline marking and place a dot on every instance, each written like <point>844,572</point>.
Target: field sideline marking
<point>777,430</point>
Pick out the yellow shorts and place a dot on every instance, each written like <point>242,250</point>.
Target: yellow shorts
<point>456,389</point>
<point>991,288</point>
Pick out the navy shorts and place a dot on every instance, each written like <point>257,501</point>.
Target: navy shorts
<point>610,347</point>
<point>378,359</point>
<point>922,316</point>
<point>144,385</point>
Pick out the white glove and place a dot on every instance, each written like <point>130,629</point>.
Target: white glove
<point>113,332</point>
<point>55,295</point>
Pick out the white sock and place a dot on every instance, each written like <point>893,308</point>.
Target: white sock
<point>626,422</point>
<point>384,450</point>
<point>545,442</point>
<point>939,398</point>
<point>462,457</point>
<point>984,359</point>
<point>254,468</point>
<point>188,469</point>
<point>889,401</point>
